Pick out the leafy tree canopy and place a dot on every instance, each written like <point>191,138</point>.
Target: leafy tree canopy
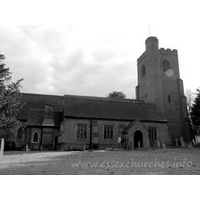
<point>10,99</point>
<point>195,111</point>
<point>116,95</point>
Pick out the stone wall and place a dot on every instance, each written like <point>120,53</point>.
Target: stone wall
<point>69,141</point>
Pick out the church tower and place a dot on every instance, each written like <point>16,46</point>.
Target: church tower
<point>159,82</point>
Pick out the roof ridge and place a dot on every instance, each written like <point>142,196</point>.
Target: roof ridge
<point>105,99</point>
<point>23,93</point>
<point>37,109</point>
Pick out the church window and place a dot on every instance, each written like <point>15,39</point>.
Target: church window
<point>19,134</point>
<point>81,131</point>
<point>108,132</point>
<point>152,133</point>
<point>143,70</point>
<point>169,98</point>
<point>35,137</point>
<point>166,65</point>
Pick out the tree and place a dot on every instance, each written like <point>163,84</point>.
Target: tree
<point>190,100</point>
<point>195,111</point>
<point>116,95</point>
<point>10,100</point>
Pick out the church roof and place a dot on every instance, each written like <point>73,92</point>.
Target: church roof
<point>110,109</point>
<point>38,101</point>
<point>88,108</point>
<point>36,117</point>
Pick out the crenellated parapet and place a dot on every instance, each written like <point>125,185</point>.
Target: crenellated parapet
<point>141,57</point>
<point>168,51</point>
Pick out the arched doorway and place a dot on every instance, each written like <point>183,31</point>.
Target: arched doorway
<point>55,143</point>
<point>138,137</point>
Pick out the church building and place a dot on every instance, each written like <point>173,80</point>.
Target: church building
<point>159,83</point>
<point>157,116</point>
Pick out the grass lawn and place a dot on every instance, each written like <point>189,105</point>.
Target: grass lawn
<point>119,162</point>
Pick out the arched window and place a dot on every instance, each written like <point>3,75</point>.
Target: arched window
<point>19,134</point>
<point>143,70</point>
<point>166,65</point>
<point>169,99</point>
<point>35,137</point>
<point>25,130</point>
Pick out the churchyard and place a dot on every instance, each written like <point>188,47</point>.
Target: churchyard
<point>173,161</point>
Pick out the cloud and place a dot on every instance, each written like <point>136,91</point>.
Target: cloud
<point>66,59</point>
<point>85,60</point>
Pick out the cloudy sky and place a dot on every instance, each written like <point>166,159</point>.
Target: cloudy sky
<point>98,57</point>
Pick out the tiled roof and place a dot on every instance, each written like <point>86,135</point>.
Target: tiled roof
<point>113,109</point>
<point>36,117</point>
<point>38,101</point>
<point>87,107</point>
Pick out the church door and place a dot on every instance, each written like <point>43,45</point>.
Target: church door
<point>138,139</point>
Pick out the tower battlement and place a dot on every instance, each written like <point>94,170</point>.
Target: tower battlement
<point>168,51</point>
<point>141,57</point>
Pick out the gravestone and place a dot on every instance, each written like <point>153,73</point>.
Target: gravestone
<point>190,145</point>
<point>158,144</point>
<point>164,148</point>
<point>193,141</point>
<point>176,140</point>
<point>182,142</point>
<point>2,147</point>
<point>27,148</point>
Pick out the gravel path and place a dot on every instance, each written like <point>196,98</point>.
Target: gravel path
<point>173,161</point>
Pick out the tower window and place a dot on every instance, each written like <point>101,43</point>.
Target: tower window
<point>169,98</point>
<point>166,65</point>
<point>143,70</point>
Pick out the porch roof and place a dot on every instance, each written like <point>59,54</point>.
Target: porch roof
<point>133,123</point>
